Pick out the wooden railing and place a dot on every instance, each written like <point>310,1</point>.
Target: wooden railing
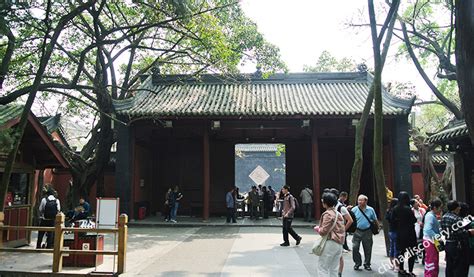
<point>58,250</point>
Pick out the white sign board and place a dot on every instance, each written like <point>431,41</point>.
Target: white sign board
<point>259,175</point>
<point>107,212</point>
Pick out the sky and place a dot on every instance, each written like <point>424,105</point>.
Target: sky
<point>302,29</point>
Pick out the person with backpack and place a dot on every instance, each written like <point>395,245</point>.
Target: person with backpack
<point>340,208</point>
<point>48,209</point>
<point>307,199</point>
<point>289,206</point>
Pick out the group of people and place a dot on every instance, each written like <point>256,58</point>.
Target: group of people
<point>172,198</point>
<point>49,207</point>
<point>259,200</point>
<point>417,231</point>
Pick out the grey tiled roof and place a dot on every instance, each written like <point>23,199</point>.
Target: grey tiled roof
<point>9,112</point>
<point>456,130</point>
<point>256,147</point>
<point>281,95</point>
<point>438,158</point>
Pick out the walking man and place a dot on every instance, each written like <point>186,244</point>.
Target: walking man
<point>230,204</point>
<point>307,200</point>
<point>363,232</point>
<point>289,206</point>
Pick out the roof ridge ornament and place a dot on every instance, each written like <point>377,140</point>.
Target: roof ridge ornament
<point>258,73</point>
<point>362,67</point>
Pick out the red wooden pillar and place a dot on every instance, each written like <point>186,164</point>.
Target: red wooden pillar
<point>206,174</point>
<point>315,169</point>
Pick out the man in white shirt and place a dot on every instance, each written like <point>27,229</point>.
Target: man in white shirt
<point>340,207</point>
<point>307,199</point>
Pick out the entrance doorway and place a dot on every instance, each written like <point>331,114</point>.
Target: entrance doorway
<point>260,167</point>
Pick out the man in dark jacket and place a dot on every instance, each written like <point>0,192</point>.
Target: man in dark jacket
<point>457,241</point>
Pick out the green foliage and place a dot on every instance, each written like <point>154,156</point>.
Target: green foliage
<point>7,138</point>
<point>281,149</point>
<point>182,37</point>
<point>434,117</point>
<point>328,63</point>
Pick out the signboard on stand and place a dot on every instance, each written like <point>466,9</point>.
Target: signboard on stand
<point>107,212</point>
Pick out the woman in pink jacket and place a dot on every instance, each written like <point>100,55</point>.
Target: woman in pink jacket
<point>328,263</point>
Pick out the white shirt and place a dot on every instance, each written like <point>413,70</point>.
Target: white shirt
<point>43,204</point>
<point>306,196</point>
<point>343,210</point>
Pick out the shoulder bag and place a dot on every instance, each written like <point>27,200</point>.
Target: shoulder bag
<point>320,242</point>
<point>374,227</point>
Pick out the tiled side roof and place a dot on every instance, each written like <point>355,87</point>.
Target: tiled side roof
<point>299,94</point>
<point>9,112</point>
<point>438,158</point>
<point>457,130</point>
<point>256,147</point>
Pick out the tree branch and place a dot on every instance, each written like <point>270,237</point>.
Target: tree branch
<point>457,113</point>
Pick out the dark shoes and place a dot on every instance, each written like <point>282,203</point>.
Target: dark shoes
<point>285,244</point>
<point>298,241</point>
<point>367,267</point>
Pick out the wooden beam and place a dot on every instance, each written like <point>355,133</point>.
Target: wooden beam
<point>206,175</point>
<point>315,169</point>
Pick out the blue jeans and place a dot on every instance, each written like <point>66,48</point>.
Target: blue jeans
<point>174,211</point>
<point>393,253</point>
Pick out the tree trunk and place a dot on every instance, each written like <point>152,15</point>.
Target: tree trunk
<point>465,60</point>
<point>360,126</point>
<point>378,124</point>
<point>359,149</point>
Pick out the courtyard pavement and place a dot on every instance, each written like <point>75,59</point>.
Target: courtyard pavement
<point>217,250</point>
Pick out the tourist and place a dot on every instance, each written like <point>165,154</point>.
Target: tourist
<point>342,200</point>
<point>363,232</point>
<point>267,202</point>
<point>176,197</point>
<point>230,204</point>
<point>392,234</point>
<point>431,230</point>
<point>406,236</point>
<point>253,201</point>
<point>289,206</point>
<point>457,241</point>
<point>307,200</point>
<point>419,215</point>
<point>168,204</point>
<point>420,202</point>
<point>340,207</point>
<point>331,224</point>
<point>48,209</point>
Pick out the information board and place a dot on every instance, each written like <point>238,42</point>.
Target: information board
<point>107,212</point>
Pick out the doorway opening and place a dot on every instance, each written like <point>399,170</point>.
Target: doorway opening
<point>262,168</point>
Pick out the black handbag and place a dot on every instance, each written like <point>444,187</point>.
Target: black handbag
<point>374,227</point>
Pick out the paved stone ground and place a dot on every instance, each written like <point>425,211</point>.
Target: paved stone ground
<point>219,250</point>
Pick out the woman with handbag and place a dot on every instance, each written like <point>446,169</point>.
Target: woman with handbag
<point>332,232</point>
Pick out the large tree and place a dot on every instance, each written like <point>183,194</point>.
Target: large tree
<point>103,51</point>
<point>465,60</point>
